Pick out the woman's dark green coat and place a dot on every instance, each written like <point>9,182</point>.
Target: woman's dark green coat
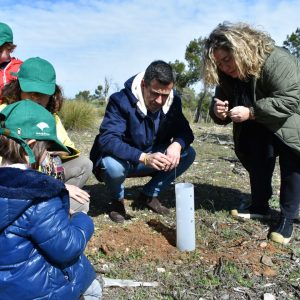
<point>275,96</point>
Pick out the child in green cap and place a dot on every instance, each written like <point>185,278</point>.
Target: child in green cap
<point>36,80</point>
<point>41,246</point>
<point>8,64</point>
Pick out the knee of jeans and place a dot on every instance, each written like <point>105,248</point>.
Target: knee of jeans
<point>114,176</point>
<point>114,172</point>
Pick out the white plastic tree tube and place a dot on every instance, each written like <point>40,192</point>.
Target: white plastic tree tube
<point>185,217</point>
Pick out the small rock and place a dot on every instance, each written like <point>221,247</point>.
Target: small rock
<point>263,245</point>
<point>284,294</point>
<point>103,248</point>
<point>104,269</point>
<point>224,297</point>
<point>269,296</point>
<point>266,260</point>
<point>178,262</point>
<point>161,270</point>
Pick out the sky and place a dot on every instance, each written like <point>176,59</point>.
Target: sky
<point>90,40</point>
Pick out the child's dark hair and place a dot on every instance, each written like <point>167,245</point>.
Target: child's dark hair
<point>12,152</point>
<point>9,46</point>
<point>11,93</point>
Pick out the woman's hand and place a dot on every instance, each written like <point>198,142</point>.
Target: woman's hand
<point>240,114</point>
<point>221,108</point>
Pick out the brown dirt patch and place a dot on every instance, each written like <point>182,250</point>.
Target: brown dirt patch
<point>154,241</point>
<point>151,241</point>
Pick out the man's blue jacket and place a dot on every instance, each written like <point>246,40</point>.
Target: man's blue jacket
<point>126,132</point>
<point>41,248</point>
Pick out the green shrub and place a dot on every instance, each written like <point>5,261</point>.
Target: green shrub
<point>78,115</point>
<point>188,113</point>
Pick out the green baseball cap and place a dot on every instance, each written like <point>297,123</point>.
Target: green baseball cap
<point>26,119</point>
<point>37,75</point>
<point>6,34</point>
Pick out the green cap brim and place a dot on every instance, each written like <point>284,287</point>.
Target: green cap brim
<point>37,87</point>
<point>56,146</point>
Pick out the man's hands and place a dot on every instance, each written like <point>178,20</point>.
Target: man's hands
<point>173,154</point>
<point>237,114</point>
<point>163,161</point>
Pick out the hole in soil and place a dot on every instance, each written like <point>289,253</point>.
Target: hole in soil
<point>167,232</point>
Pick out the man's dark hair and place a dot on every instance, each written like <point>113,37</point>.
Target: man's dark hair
<point>161,71</point>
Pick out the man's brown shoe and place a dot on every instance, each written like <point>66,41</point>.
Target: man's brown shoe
<point>154,204</point>
<point>117,211</point>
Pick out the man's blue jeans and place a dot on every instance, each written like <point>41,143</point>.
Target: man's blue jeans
<point>114,172</point>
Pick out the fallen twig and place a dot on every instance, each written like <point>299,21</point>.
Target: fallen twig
<point>109,282</point>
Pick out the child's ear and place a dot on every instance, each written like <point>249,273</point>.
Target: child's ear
<point>31,143</point>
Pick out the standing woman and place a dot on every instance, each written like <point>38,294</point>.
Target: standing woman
<point>258,89</point>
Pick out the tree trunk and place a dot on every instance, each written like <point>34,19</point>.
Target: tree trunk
<point>198,116</point>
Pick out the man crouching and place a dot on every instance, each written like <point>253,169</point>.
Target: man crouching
<point>143,133</point>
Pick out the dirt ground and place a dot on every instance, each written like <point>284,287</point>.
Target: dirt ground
<point>157,242</point>
<point>233,259</point>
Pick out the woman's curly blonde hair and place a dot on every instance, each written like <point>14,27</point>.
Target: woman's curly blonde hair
<point>248,46</point>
